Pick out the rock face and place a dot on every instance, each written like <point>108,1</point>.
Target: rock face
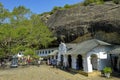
<point>84,22</point>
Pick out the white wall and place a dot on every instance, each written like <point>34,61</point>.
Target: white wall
<point>45,52</point>
<point>103,58</point>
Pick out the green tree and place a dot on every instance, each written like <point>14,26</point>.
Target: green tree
<point>5,38</point>
<point>22,31</point>
<point>29,51</point>
<point>20,13</point>
<point>4,14</point>
<point>43,36</point>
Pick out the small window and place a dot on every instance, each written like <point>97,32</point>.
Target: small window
<point>20,53</point>
<point>46,52</point>
<point>43,52</point>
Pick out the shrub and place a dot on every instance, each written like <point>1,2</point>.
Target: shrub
<point>107,70</point>
<point>87,2</point>
<point>67,6</point>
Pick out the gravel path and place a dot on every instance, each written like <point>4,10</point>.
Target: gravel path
<point>43,73</point>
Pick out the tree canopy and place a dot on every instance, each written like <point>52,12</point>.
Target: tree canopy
<point>20,29</point>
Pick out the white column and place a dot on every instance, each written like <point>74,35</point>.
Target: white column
<point>58,59</point>
<point>74,57</point>
<point>65,60</point>
<point>87,66</point>
<point>98,64</point>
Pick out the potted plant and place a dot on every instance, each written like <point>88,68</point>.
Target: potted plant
<point>107,71</point>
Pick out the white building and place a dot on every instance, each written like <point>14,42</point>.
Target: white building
<point>45,52</point>
<point>87,56</point>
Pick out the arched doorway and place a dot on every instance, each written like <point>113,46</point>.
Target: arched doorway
<point>61,58</point>
<point>115,63</point>
<point>56,56</point>
<point>119,67</point>
<point>79,63</point>
<point>118,64</point>
<point>94,62</point>
<point>69,61</point>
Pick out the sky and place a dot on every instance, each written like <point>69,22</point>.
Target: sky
<point>37,6</point>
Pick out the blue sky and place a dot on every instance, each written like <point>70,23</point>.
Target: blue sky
<point>37,6</point>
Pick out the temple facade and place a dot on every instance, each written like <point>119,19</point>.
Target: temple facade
<point>87,56</point>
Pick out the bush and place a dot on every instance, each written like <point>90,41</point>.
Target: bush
<point>107,70</point>
<point>67,6</point>
<point>87,2</point>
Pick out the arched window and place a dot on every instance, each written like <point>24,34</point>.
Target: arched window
<point>46,52</point>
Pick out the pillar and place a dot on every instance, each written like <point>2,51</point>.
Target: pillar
<point>65,60</point>
<point>87,66</point>
<point>58,59</point>
<point>74,58</point>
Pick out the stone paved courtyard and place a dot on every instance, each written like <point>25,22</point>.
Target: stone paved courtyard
<point>44,73</point>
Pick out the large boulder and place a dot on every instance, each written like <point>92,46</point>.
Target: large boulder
<point>84,22</point>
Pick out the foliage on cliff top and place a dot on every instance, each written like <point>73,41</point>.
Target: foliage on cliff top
<point>84,3</point>
<point>87,2</point>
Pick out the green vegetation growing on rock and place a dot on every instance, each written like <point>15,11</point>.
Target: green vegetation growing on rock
<point>56,8</point>
<point>87,2</point>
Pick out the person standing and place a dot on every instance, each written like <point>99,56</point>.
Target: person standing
<point>54,63</point>
<point>39,61</point>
